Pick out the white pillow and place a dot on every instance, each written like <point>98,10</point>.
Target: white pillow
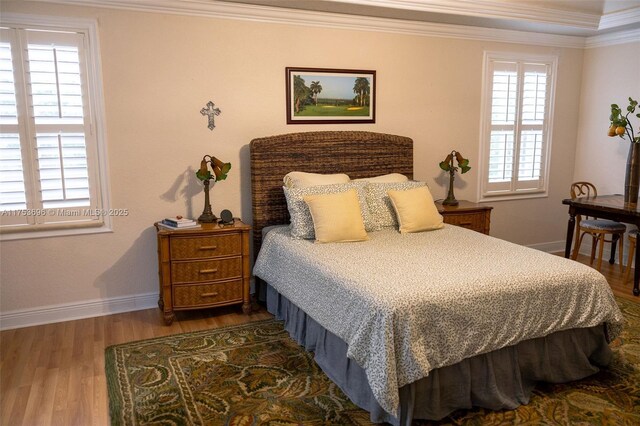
<point>305,180</point>
<point>390,178</point>
<point>301,221</point>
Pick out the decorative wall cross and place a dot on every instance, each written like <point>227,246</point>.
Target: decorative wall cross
<point>211,112</point>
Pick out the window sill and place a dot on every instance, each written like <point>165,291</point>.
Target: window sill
<point>54,231</point>
<point>486,198</point>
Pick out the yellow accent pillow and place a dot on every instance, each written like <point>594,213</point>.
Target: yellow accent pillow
<point>416,210</point>
<point>336,217</point>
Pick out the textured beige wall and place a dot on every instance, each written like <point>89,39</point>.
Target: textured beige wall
<point>159,70</point>
<point>611,76</point>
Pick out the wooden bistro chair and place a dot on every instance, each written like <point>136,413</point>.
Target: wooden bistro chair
<point>598,229</point>
<point>633,238</point>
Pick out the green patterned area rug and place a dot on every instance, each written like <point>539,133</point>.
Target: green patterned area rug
<point>254,374</point>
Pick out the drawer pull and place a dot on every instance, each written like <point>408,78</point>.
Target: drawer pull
<point>208,271</point>
<point>212,294</point>
<point>208,247</point>
<point>466,223</point>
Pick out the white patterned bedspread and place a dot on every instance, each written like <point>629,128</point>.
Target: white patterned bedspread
<point>409,303</point>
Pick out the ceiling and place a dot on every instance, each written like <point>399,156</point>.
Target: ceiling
<point>565,17</point>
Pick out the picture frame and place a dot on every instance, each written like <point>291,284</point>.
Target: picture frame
<point>330,96</point>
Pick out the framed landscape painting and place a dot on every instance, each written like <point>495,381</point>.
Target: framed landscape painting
<point>323,95</point>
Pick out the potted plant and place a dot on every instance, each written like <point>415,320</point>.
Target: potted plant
<point>621,126</point>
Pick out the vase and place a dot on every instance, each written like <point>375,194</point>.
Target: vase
<point>632,176</point>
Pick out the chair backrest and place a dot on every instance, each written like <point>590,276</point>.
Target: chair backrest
<point>583,189</point>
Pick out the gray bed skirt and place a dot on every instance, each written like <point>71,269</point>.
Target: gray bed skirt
<point>502,379</point>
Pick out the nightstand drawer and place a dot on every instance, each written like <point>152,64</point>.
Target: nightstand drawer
<point>206,270</point>
<point>466,214</point>
<point>205,247</point>
<point>474,221</point>
<point>185,296</point>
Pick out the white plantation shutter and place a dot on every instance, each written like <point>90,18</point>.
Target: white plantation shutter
<point>516,124</point>
<point>54,81</point>
<point>49,165</point>
<point>534,96</point>
<point>503,120</point>
<point>62,166</point>
<point>12,187</point>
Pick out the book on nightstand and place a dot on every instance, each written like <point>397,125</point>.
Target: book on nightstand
<point>175,223</point>
<point>164,225</point>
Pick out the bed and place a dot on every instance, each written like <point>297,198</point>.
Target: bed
<point>423,343</point>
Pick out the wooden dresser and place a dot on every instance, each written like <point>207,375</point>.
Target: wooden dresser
<point>203,268</point>
<point>468,215</point>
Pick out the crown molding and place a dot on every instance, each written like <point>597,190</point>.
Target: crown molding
<point>246,12</point>
<point>489,9</point>
<point>619,37</point>
<point>277,15</point>
<point>618,19</point>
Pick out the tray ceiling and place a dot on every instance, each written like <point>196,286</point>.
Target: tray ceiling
<point>564,17</point>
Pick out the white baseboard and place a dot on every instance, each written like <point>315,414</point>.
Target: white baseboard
<point>552,247</point>
<point>78,310</point>
<point>585,249</point>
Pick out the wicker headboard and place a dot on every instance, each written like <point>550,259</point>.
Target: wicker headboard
<point>358,154</point>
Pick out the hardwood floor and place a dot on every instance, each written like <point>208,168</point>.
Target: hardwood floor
<point>54,374</point>
<point>614,277</point>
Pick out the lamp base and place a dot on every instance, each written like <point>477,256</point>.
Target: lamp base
<point>207,215</point>
<point>451,199</point>
<point>207,218</point>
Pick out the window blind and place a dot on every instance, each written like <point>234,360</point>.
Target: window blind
<point>12,186</point>
<point>48,151</point>
<point>55,86</point>
<point>517,119</point>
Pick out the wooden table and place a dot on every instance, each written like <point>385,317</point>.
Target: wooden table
<point>610,207</point>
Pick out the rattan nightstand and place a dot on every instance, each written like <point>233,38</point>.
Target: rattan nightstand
<point>203,268</point>
<point>468,215</point>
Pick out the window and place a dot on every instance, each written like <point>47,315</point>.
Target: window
<point>516,125</point>
<point>52,154</point>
